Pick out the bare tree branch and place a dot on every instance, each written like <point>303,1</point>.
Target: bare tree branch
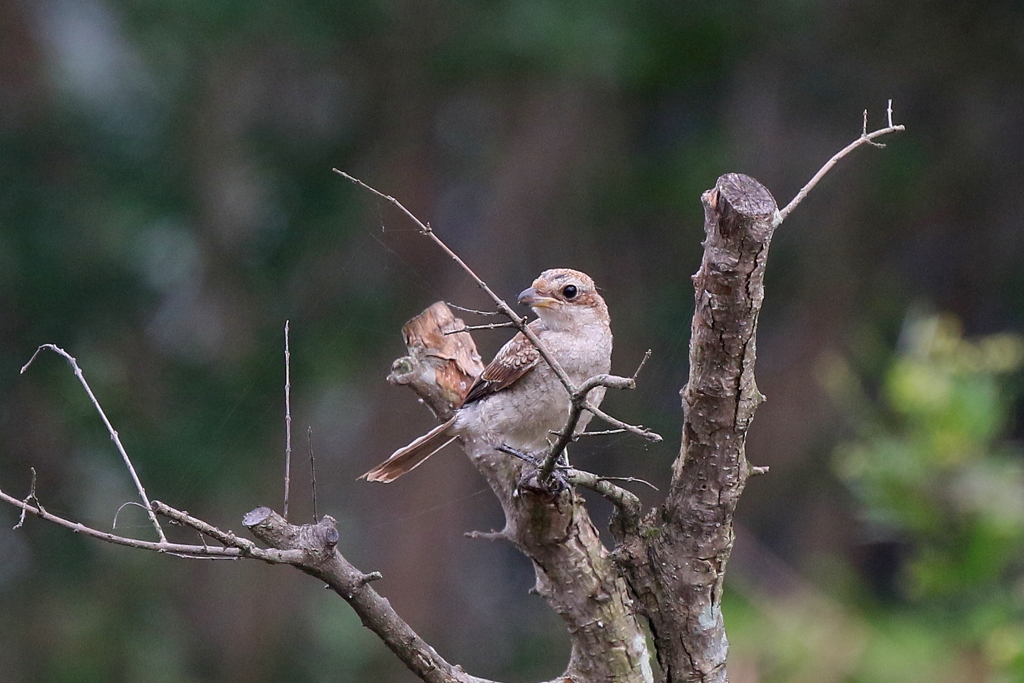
<point>865,138</point>
<point>470,310</point>
<point>624,500</point>
<point>31,496</point>
<point>269,556</point>
<point>517,320</point>
<point>580,403</point>
<point>110,428</point>
<point>318,544</point>
<point>676,560</point>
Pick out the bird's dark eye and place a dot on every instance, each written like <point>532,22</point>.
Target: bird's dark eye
<point>569,291</point>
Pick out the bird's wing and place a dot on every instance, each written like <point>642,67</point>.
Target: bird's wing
<point>515,359</point>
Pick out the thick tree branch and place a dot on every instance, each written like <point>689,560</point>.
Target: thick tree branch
<point>676,566</point>
<point>317,543</point>
<point>550,525</point>
<point>675,563</point>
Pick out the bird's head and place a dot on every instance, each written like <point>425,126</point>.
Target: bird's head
<point>562,297</point>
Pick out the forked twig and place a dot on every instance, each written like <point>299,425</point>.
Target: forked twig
<point>227,538</point>
<point>110,428</point>
<point>31,496</point>
<point>865,138</point>
<point>580,403</point>
<point>180,549</point>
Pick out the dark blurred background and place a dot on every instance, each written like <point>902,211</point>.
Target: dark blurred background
<point>167,202</point>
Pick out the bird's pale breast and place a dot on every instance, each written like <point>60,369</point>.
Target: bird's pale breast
<point>525,415</point>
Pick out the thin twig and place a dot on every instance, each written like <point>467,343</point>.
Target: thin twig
<point>110,428</point>
<point>517,320</point>
<point>129,503</point>
<point>525,457</point>
<point>580,403</point>
<point>631,480</point>
<point>471,310</point>
<point>865,138</point>
<point>312,471</point>
<point>639,430</point>
<point>31,496</point>
<point>227,538</point>
<point>269,555</point>
<point>577,395</point>
<point>599,432</point>
<point>473,328</point>
<point>489,535</point>
<point>287,419</point>
<point>643,362</point>
<point>624,500</point>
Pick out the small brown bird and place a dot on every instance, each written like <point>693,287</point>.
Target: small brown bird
<point>518,400</point>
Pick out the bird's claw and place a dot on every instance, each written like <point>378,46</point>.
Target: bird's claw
<point>550,487</point>
<point>531,482</point>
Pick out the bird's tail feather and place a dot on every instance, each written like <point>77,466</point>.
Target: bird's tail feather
<point>409,457</point>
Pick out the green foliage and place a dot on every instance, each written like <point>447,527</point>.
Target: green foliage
<point>933,470</point>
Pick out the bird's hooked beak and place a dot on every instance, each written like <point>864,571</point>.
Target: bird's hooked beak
<point>534,299</point>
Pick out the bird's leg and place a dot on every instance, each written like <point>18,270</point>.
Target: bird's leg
<point>530,482</point>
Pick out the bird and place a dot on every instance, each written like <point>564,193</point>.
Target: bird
<point>518,400</point>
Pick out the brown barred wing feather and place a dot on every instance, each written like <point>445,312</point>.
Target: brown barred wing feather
<point>515,359</point>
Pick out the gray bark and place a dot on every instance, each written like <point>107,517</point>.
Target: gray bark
<point>675,562</point>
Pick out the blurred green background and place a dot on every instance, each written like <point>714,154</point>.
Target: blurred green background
<point>166,203</point>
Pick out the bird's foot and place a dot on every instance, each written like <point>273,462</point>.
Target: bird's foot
<point>531,481</point>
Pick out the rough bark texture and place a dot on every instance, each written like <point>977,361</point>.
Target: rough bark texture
<point>322,560</point>
<point>574,570</point>
<point>675,562</point>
